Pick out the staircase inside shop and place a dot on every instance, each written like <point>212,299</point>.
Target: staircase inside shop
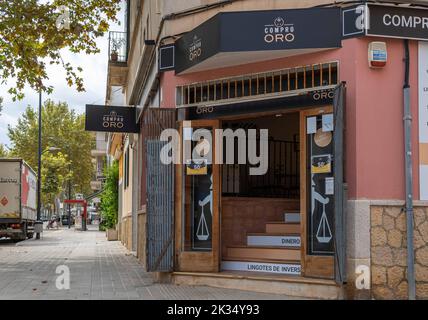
<point>275,251</point>
<point>269,262</point>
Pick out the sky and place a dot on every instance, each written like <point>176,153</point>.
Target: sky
<point>94,75</point>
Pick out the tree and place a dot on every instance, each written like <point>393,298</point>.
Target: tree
<point>110,196</point>
<point>54,175</point>
<point>61,128</point>
<point>33,33</point>
<point>3,151</point>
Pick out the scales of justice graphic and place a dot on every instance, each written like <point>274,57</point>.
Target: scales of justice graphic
<point>323,234</point>
<point>202,231</point>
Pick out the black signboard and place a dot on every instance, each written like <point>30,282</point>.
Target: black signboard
<point>385,21</point>
<point>259,31</point>
<point>198,45</point>
<point>111,119</point>
<point>398,22</point>
<point>353,24</point>
<point>167,57</point>
<point>311,98</point>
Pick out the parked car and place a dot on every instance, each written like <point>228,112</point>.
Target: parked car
<point>64,220</point>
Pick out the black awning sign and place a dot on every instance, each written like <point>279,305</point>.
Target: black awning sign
<point>111,119</point>
<point>385,21</point>
<point>266,30</point>
<point>398,22</point>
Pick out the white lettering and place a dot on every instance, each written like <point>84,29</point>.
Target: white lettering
<point>384,19</point>
<point>416,21</point>
<point>425,22</point>
<point>269,38</point>
<point>405,21</point>
<point>396,21</point>
<point>408,22</point>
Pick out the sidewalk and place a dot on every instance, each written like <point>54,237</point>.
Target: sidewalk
<point>99,269</point>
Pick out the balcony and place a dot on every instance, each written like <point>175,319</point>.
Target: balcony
<point>117,58</point>
<point>117,47</point>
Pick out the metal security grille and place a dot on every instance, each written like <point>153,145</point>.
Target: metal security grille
<point>340,185</point>
<point>160,199</point>
<point>280,181</point>
<point>158,191</point>
<point>249,86</point>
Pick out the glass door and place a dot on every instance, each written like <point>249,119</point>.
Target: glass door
<point>317,192</point>
<point>198,189</point>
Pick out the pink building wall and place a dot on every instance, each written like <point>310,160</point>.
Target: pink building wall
<point>374,165</point>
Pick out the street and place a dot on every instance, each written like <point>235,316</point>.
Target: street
<point>99,269</point>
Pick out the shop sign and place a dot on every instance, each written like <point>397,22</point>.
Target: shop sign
<point>277,268</point>
<point>353,21</point>
<point>385,21</point>
<point>267,30</point>
<point>111,119</point>
<point>310,98</point>
<point>166,57</point>
<point>398,22</point>
<point>278,241</point>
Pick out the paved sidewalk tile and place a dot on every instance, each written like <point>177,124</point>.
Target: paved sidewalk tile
<point>99,269</point>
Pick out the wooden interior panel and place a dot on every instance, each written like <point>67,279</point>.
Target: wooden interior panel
<point>283,228</point>
<point>319,267</point>
<point>197,261</point>
<point>249,215</point>
<point>269,253</point>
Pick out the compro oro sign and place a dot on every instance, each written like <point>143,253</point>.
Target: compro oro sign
<point>385,21</point>
<point>256,36</point>
<point>111,119</point>
<point>396,22</point>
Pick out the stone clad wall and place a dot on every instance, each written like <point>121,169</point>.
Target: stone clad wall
<point>389,252</point>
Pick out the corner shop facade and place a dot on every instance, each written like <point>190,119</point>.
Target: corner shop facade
<point>371,233</point>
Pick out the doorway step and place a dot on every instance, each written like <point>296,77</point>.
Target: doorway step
<point>290,286</point>
<point>275,251</point>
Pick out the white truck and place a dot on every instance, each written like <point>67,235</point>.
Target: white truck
<point>18,196</point>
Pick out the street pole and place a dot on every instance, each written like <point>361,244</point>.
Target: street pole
<point>39,166</point>
<point>409,177</point>
<point>69,197</point>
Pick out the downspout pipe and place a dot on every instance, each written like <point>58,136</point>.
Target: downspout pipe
<point>409,176</point>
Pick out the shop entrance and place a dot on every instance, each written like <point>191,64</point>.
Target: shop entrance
<point>287,220</point>
<point>260,229</point>
<point>282,222</point>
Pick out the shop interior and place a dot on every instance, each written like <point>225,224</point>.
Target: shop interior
<point>260,220</point>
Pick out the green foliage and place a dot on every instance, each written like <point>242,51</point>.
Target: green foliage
<point>54,175</point>
<point>33,33</point>
<point>110,197</point>
<point>3,151</point>
<point>61,128</point>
